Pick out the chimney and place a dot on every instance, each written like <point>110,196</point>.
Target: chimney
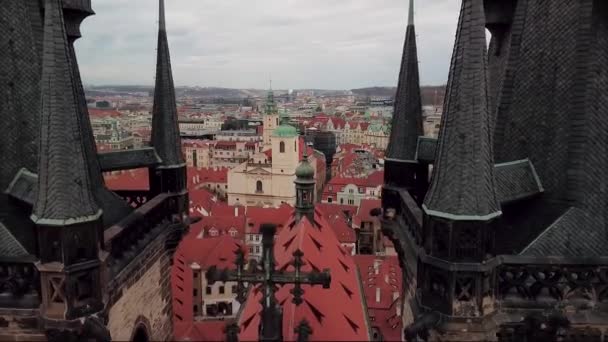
<point>377,295</point>
<point>377,266</point>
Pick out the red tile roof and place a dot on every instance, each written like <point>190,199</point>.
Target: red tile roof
<point>224,143</point>
<point>344,233</point>
<point>208,330</point>
<point>382,283</point>
<point>213,226</point>
<point>256,216</point>
<point>133,180</point>
<point>365,207</point>
<point>348,147</point>
<point>206,175</point>
<point>205,252</point>
<point>333,208</point>
<point>223,209</point>
<point>334,314</point>
<point>335,185</point>
<point>338,123</point>
<point>201,199</point>
<point>197,143</point>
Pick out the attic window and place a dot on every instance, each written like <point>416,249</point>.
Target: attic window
<point>349,293</point>
<point>318,314</point>
<point>344,266</point>
<point>317,243</point>
<point>352,324</point>
<point>247,322</point>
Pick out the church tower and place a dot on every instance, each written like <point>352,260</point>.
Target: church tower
<point>170,175</point>
<point>461,205</point>
<point>271,119</point>
<point>69,221</point>
<point>305,189</point>
<point>402,168</point>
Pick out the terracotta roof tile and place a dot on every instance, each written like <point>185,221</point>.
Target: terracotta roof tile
<point>211,226</point>
<point>335,314</point>
<point>365,207</point>
<point>133,180</point>
<point>256,216</point>
<point>204,252</point>
<point>382,283</point>
<point>201,200</point>
<point>223,209</point>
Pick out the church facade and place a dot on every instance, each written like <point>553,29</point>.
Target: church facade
<point>266,179</point>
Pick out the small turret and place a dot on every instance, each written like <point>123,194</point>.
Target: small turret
<point>305,185</point>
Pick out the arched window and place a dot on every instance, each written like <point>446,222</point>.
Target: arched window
<point>282,147</point>
<point>258,187</point>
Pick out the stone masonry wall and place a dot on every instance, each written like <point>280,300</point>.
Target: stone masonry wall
<point>142,295</point>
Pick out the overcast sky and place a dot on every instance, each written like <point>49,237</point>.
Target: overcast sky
<point>328,44</point>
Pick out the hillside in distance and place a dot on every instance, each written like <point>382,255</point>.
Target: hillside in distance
<point>430,94</point>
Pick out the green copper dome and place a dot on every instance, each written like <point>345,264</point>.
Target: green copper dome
<point>285,131</point>
<point>305,170</point>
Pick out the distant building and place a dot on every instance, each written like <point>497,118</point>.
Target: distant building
<point>266,178</point>
<point>351,190</point>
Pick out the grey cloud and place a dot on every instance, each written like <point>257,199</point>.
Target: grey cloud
<point>238,43</point>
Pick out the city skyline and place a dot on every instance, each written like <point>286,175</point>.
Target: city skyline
<point>312,44</point>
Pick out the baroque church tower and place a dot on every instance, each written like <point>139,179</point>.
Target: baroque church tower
<point>271,119</point>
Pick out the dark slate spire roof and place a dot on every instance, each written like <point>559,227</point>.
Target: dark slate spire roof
<point>64,189</point>
<point>20,89</point>
<point>462,187</point>
<point>407,117</point>
<point>165,128</point>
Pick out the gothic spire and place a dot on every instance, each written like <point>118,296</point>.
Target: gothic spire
<point>165,128</point>
<point>407,116</point>
<point>410,18</point>
<point>462,187</point>
<point>64,188</point>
